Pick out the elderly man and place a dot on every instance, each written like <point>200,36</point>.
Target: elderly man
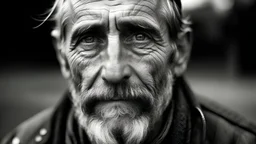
<point>124,61</point>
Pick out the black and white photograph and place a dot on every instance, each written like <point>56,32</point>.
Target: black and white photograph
<point>128,72</point>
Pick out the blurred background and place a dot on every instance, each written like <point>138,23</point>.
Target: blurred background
<point>222,66</point>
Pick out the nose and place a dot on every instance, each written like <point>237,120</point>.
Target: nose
<point>116,73</point>
<point>116,69</point>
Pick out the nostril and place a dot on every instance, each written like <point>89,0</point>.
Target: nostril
<point>115,78</point>
<point>104,79</point>
<point>126,77</point>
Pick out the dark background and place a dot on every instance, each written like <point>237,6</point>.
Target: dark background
<point>25,44</point>
<point>222,66</point>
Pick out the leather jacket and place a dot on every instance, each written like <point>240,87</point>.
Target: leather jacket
<point>208,123</point>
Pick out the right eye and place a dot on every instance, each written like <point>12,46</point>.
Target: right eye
<point>90,42</point>
<point>88,39</point>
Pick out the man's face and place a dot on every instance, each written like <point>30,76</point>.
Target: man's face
<point>118,53</point>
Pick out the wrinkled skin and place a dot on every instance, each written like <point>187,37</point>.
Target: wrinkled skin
<point>115,49</point>
<point>116,56</point>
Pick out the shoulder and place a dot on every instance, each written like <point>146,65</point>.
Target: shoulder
<point>226,126</point>
<point>33,130</point>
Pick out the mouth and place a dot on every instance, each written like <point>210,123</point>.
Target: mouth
<point>143,104</point>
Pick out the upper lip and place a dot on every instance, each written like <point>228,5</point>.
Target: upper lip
<point>143,103</point>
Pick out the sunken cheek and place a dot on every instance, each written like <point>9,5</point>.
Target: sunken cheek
<point>156,63</point>
<point>79,65</point>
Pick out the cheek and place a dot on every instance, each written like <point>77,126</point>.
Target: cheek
<point>152,68</point>
<point>157,61</point>
<point>83,70</point>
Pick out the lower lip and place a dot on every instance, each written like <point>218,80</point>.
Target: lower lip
<point>104,104</point>
<point>117,103</point>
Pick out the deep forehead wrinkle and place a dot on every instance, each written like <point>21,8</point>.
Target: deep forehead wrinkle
<point>90,15</point>
<point>81,9</point>
<point>141,13</point>
<point>134,5</point>
<point>144,4</point>
<point>95,9</point>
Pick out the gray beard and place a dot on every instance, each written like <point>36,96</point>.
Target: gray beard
<point>115,130</point>
<point>113,125</point>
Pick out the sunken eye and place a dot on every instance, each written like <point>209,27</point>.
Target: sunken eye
<point>89,39</point>
<point>141,37</point>
<point>88,42</point>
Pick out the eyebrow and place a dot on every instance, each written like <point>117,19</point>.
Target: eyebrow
<point>88,26</point>
<point>139,22</point>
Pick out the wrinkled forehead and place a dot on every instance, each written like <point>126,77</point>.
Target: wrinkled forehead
<point>157,14</point>
<point>102,9</point>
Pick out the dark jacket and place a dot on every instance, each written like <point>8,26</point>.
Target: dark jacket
<point>196,121</point>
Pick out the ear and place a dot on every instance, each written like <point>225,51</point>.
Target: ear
<point>59,48</point>
<point>182,54</point>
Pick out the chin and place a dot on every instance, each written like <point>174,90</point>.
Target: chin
<point>116,122</point>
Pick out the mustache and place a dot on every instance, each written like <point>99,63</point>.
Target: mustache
<point>121,92</point>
